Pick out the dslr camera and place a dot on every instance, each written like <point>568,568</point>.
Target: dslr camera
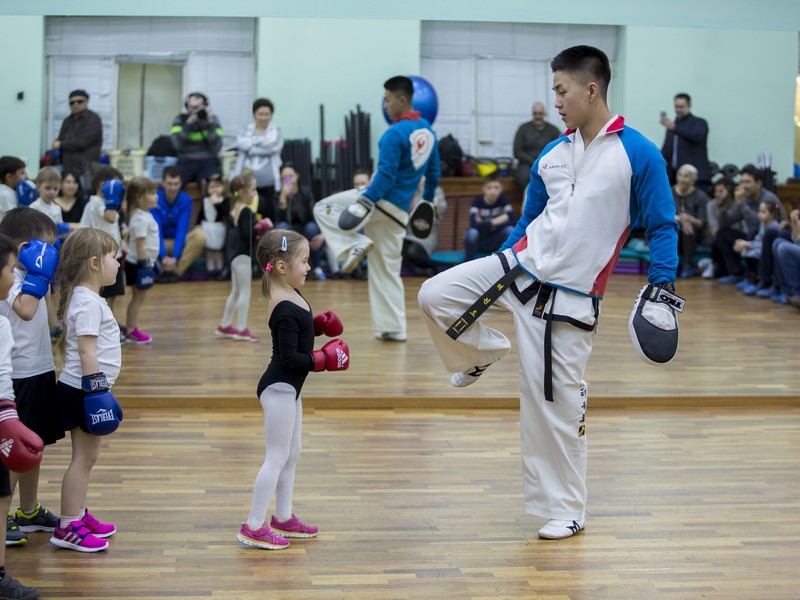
<point>201,112</point>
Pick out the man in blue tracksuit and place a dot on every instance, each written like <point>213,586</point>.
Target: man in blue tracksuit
<point>587,189</point>
<point>407,151</point>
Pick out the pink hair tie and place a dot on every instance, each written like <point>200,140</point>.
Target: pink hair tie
<point>268,268</point>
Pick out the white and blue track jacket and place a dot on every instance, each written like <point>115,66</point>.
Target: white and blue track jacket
<point>582,203</point>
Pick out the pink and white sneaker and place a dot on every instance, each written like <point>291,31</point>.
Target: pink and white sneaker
<point>228,332</point>
<point>98,529</point>
<point>293,528</point>
<point>76,536</point>
<point>245,336</point>
<point>261,538</point>
<point>137,337</point>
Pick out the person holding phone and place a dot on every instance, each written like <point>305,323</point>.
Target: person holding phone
<point>293,208</point>
<point>260,144</point>
<point>685,142</point>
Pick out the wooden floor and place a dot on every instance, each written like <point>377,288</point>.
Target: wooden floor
<point>696,503</point>
<point>733,349</point>
<point>693,479</point>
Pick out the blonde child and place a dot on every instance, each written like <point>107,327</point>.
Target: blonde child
<point>241,230</point>
<point>143,245</point>
<point>283,255</point>
<point>92,358</point>
<point>48,182</point>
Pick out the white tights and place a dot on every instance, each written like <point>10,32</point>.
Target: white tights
<point>239,298</point>
<point>283,422</point>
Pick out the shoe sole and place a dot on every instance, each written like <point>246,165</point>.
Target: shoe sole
<point>390,339</point>
<point>259,544</point>
<point>294,534</point>
<point>239,338</point>
<point>21,542</point>
<point>103,536</point>
<point>355,259</point>
<point>546,536</point>
<point>34,528</point>
<point>69,546</point>
<point>137,342</point>
<point>223,335</point>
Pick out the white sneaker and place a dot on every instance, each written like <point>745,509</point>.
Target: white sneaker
<point>708,269</point>
<point>388,336</point>
<point>558,530</point>
<point>355,257</point>
<point>463,379</point>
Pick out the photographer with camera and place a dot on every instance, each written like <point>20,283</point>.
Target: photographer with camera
<point>197,139</point>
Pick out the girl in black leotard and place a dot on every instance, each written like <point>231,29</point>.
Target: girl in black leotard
<point>283,256</point>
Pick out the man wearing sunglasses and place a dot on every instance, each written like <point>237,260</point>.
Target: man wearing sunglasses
<point>81,136</point>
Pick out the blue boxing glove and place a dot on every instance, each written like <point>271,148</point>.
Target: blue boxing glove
<point>63,228</point>
<point>102,411</point>
<point>39,259</point>
<point>146,275</point>
<point>114,192</point>
<point>27,192</point>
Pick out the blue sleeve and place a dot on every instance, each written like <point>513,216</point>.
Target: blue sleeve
<point>432,174</point>
<point>184,209</point>
<point>389,152</point>
<point>653,207</point>
<point>534,204</point>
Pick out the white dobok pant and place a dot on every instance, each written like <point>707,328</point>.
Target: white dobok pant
<point>552,434</point>
<point>386,293</point>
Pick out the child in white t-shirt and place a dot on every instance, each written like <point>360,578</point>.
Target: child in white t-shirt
<point>143,247</point>
<point>102,212</point>
<point>92,358</point>
<point>48,181</point>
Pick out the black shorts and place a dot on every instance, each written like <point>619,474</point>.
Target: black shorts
<point>37,406</point>
<point>5,481</point>
<point>131,272</point>
<point>70,407</point>
<point>118,287</point>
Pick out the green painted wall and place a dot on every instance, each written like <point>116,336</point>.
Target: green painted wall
<point>303,63</point>
<point>22,52</point>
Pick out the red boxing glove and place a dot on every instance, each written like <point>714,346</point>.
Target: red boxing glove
<point>20,448</point>
<point>328,323</point>
<point>333,356</point>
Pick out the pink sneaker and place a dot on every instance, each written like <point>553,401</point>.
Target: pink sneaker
<point>98,529</point>
<point>227,332</point>
<point>137,337</point>
<point>261,538</point>
<point>76,536</point>
<point>293,528</point>
<point>245,336</point>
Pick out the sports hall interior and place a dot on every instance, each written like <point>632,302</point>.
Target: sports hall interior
<point>693,482</point>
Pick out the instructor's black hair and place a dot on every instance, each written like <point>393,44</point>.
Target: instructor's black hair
<point>400,85</point>
<point>588,63</point>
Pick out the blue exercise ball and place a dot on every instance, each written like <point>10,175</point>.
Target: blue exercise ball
<point>425,100</point>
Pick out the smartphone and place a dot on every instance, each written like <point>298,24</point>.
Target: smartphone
<point>663,114</point>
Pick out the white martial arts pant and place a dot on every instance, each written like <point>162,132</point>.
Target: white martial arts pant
<point>386,293</point>
<point>552,434</point>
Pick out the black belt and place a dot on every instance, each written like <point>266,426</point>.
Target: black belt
<point>543,293</point>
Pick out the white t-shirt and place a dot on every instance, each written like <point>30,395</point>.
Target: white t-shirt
<point>31,354</point>
<point>6,343</point>
<point>8,200</point>
<point>93,217</point>
<point>143,225</point>
<point>52,210</point>
<point>88,314</point>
